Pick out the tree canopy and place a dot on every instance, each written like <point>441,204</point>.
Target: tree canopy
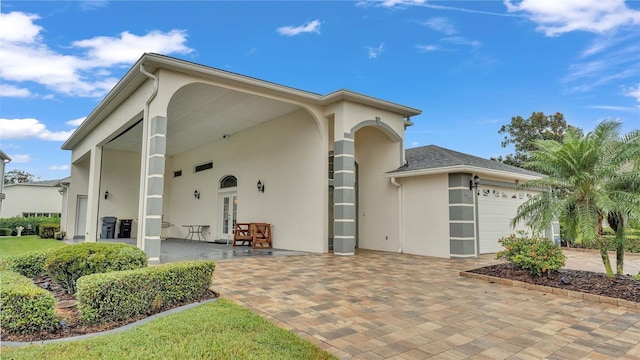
<point>523,133</point>
<point>17,177</point>
<point>591,179</point>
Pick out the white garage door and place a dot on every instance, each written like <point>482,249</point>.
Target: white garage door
<point>497,207</point>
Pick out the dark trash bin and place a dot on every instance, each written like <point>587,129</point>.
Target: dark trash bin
<point>125,228</point>
<point>108,227</point>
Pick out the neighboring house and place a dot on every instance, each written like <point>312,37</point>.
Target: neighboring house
<point>37,198</point>
<point>4,159</point>
<point>177,143</point>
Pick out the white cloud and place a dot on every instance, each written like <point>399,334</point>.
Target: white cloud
<point>428,47</point>
<point>459,40</point>
<point>441,24</point>
<point>93,4</point>
<point>75,122</point>
<point>20,158</point>
<point>415,143</point>
<point>609,107</point>
<point>27,58</point>
<point>59,167</point>
<point>30,129</point>
<point>634,92</point>
<point>13,91</point>
<point>127,48</point>
<point>374,52</point>
<point>557,17</point>
<point>308,27</point>
<point>18,27</point>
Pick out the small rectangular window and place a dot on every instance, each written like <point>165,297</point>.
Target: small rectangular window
<point>205,166</point>
<point>177,173</point>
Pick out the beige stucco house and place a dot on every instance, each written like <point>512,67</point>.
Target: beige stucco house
<point>36,198</point>
<point>177,143</point>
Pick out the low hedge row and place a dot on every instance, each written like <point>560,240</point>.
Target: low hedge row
<point>67,264</point>
<point>29,264</point>
<point>26,308</point>
<point>120,295</point>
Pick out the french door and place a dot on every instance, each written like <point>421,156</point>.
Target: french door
<point>229,212</point>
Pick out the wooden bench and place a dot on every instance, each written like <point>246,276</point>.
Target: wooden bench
<point>258,235</point>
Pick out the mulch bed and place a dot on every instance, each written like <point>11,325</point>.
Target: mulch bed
<point>620,287</point>
<point>71,316</point>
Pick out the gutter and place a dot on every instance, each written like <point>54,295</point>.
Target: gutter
<point>144,159</point>
<point>400,217</point>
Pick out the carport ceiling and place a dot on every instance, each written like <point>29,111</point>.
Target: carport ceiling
<point>200,114</point>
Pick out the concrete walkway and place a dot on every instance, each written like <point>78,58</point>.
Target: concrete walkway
<point>379,305</point>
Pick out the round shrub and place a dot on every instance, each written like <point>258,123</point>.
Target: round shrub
<point>67,264</point>
<point>26,309</point>
<point>539,256</point>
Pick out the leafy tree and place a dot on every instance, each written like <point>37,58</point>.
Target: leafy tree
<point>523,133</point>
<point>591,179</point>
<point>17,177</point>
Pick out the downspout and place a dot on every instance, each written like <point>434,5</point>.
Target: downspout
<point>400,217</point>
<point>144,159</point>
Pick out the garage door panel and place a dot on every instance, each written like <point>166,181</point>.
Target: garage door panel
<point>497,207</point>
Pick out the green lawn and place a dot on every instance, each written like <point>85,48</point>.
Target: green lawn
<point>16,245</point>
<point>216,330</point>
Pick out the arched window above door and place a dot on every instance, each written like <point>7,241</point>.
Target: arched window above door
<point>228,181</point>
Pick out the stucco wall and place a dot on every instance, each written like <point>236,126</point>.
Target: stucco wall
<point>121,177</point>
<point>30,198</point>
<point>377,214</point>
<point>426,215</point>
<point>286,154</point>
<point>78,187</point>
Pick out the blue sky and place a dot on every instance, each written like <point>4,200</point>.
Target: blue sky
<point>468,65</point>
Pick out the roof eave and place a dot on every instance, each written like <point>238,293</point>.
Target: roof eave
<point>462,168</point>
<point>153,62</point>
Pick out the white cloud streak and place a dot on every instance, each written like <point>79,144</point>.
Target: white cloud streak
<point>428,48</point>
<point>59,167</point>
<point>20,158</point>
<point>558,17</point>
<point>634,92</point>
<point>440,24</point>
<point>13,91</point>
<point>21,129</point>
<point>374,52</point>
<point>308,27</point>
<point>27,58</point>
<point>75,122</point>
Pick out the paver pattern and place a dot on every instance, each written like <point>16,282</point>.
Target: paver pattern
<point>378,305</point>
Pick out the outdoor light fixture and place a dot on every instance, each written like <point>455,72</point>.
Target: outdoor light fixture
<point>260,186</point>
<point>106,194</point>
<point>196,194</point>
<point>473,184</point>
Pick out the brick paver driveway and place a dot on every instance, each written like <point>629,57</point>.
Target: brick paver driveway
<point>379,305</point>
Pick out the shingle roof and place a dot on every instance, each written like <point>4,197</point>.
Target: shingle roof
<point>434,157</point>
<point>42,182</point>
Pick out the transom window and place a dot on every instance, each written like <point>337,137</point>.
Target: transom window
<point>228,182</point>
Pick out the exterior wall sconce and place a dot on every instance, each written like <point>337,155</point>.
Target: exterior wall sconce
<point>260,186</point>
<point>196,194</point>
<point>106,194</point>
<point>473,184</point>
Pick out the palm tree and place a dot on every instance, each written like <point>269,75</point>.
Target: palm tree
<point>591,178</point>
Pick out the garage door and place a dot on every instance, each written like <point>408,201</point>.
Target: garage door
<point>496,208</point>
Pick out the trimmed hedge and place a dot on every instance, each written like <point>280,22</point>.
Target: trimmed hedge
<point>67,264</point>
<point>30,264</point>
<point>120,295</point>
<point>48,230</point>
<point>5,232</point>
<point>26,308</point>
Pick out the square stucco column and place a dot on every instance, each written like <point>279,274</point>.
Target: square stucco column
<point>151,220</point>
<point>93,196</point>
<point>344,197</point>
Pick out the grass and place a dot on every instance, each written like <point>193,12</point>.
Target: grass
<point>216,330</point>
<point>16,245</point>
